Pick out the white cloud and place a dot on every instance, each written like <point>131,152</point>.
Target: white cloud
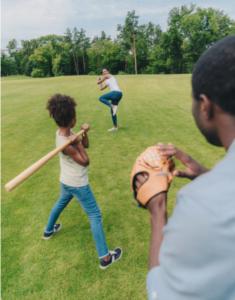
<point>27,19</point>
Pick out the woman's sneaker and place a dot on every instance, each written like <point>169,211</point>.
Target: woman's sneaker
<point>111,129</point>
<point>115,110</point>
<point>114,256</point>
<point>57,227</point>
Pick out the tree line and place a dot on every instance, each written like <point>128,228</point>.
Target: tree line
<point>137,49</point>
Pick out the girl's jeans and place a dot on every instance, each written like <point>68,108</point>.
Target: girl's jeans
<point>87,201</point>
<point>115,97</point>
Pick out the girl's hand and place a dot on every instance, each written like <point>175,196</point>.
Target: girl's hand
<point>85,127</point>
<point>192,167</point>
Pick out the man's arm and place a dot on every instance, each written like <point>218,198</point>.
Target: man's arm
<point>158,219</point>
<point>190,267</point>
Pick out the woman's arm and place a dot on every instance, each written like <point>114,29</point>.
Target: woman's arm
<point>100,80</point>
<point>102,87</point>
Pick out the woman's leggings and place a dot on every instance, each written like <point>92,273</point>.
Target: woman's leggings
<point>115,97</point>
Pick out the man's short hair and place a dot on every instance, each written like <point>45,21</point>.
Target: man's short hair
<point>214,75</point>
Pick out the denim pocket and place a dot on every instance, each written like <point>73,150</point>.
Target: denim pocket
<point>78,193</point>
<point>117,95</point>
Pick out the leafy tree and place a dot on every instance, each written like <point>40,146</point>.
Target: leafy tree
<point>128,34</point>
<point>37,73</point>
<point>191,30</point>
<point>84,45</point>
<point>30,65</point>
<point>201,29</point>
<point>42,57</point>
<point>111,56</point>
<point>14,53</point>
<point>99,48</point>
<point>8,65</point>
<point>73,39</point>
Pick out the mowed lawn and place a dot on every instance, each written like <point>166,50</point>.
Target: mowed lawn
<point>154,108</point>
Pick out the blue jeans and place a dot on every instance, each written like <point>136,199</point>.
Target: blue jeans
<point>115,97</point>
<point>87,201</point>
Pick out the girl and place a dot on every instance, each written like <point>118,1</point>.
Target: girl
<point>74,177</point>
<point>115,95</point>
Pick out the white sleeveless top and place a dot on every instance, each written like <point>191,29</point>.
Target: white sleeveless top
<point>72,174</point>
<point>112,84</point>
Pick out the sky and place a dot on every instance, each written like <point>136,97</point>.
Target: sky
<point>28,19</point>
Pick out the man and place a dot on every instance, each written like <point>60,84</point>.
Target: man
<point>193,255</point>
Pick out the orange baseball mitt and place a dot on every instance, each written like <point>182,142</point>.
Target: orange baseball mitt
<point>158,173</point>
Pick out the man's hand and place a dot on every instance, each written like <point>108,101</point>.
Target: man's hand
<point>85,127</point>
<point>193,168</point>
<point>74,139</point>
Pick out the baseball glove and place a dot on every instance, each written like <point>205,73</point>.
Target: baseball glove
<point>158,173</point>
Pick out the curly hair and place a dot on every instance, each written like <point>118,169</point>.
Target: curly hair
<point>61,109</point>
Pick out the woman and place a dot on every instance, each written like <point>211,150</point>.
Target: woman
<point>115,95</point>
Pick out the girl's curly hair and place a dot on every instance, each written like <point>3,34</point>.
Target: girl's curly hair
<point>62,109</point>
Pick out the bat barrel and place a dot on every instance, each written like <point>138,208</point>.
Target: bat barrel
<point>28,172</point>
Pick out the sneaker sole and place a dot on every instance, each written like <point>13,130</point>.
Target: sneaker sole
<point>47,238</point>
<point>112,262</point>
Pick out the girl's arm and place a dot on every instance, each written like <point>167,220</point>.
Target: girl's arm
<point>85,139</point>
<point>78,155</point>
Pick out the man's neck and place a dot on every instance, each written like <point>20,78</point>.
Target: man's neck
<point>226,130</point>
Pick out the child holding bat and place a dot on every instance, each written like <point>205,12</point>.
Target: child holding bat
<point>74,163</point>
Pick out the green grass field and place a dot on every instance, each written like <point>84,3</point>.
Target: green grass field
<point>155,108</point>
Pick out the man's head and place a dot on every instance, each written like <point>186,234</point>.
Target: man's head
<point>213,87</point>
<point>62,110</point>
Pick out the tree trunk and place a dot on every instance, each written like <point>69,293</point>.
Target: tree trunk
<point>134,52</point>
<point>84,65</point>
<point>77,61</point>
<point>183,58</point>
<point>126,63</point>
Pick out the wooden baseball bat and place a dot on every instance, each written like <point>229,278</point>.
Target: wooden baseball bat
<point>37,165</point>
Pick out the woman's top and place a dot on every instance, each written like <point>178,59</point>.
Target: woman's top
<point>72,174</point>
<point>112,84</point>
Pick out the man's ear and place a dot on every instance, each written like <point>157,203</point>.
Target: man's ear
<point>206,107</point>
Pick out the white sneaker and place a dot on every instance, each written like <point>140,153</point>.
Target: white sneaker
<point>111,129</point>
<point>115,110</point>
